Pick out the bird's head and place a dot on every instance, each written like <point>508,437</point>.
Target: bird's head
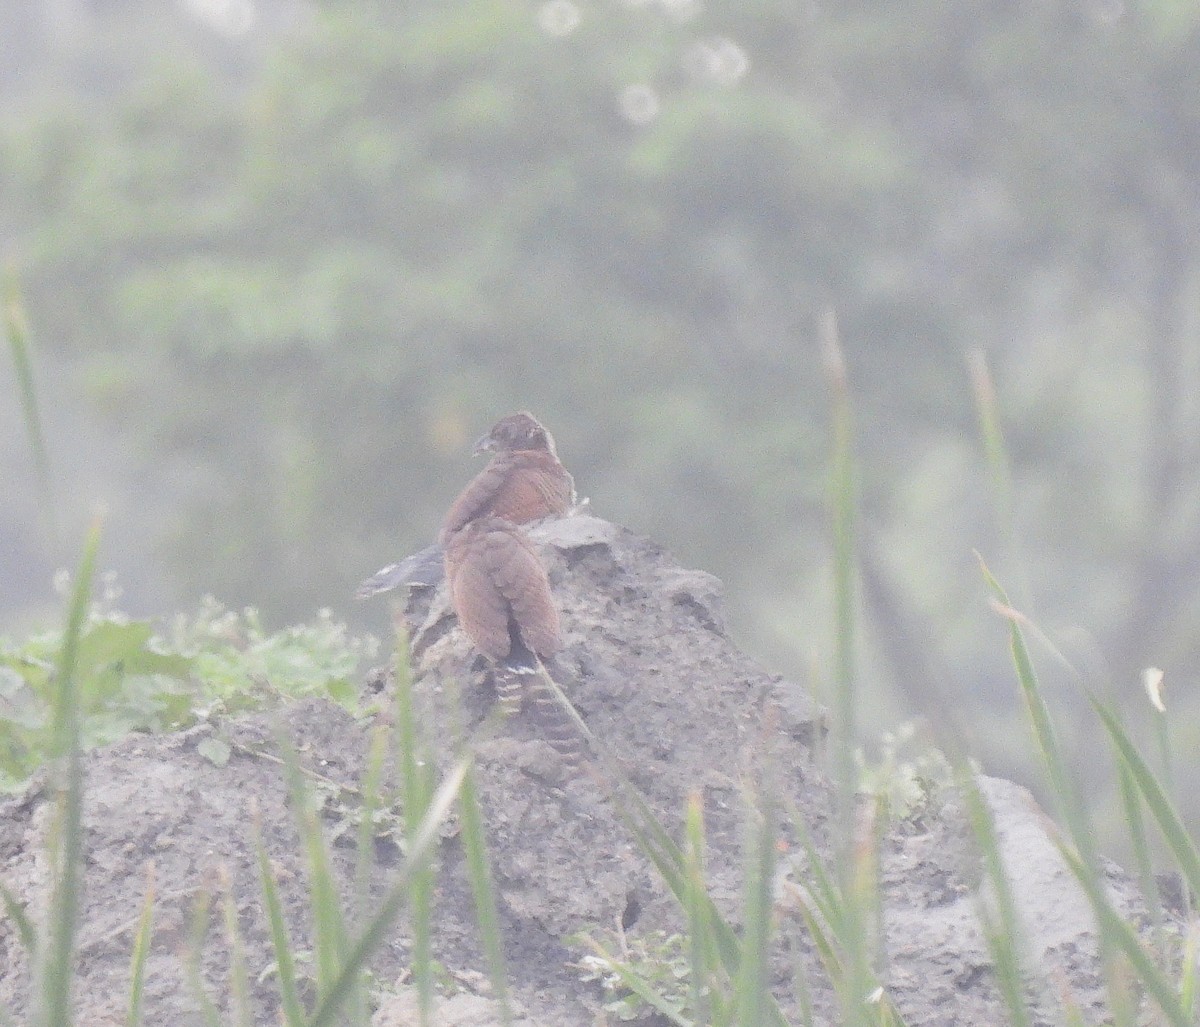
<point>516,431</point>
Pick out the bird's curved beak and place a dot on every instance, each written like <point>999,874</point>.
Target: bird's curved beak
<point>484,444</point>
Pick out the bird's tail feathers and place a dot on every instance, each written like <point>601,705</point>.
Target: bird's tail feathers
<point>521,659</point>
<point>510,689</point>
<point>420,569</point>
<point>556,724</point>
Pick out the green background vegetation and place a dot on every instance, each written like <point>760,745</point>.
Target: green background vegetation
<point>278,279</point>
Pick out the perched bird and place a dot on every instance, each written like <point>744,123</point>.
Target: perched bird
<point>523,482</point>
<point>498,586</point>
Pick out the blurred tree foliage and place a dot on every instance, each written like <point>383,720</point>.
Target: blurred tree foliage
<point>302,274</point>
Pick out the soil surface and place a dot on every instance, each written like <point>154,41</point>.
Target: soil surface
<point>649,666</point>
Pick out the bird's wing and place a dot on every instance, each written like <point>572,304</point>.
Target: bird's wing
<point>481,608</point>
<point>518,575</point>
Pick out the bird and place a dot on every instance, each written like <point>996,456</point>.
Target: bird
<point>497,585</point>
<point>523,482</point>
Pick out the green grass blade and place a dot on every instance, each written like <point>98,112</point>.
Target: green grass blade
<point>834,930</point>
<point>702,946</point>
<point>753,971</point>
<point>653,839</point>
<point>1183,849</point>
<point>860,915</point>
<point>56,972</point>
<point>1072,1014</point>
<point>239,977</point>
<point>479,873</point>
<point>285,963</point>
<point>658,844</point>
<point>1004,938</point>
<point>26,932</point>
<point>826,950</point>
<point>835,969</point>
<point>329,927</point>
<point>842,496</point>
<point>1062,787</point>
<point>474,842</point>
<point>416,783</point>
<point>15,328</point>
<point>855,904</point>
<point>1119,933</point>
<point>820,893</point>
<point>987,409</point>
<point>826,896</point>
<point>668,860</point>
<point>1065,793</point>
<point>1035,706</point>
<point>1191,968</point>
<point>867,865</point>
<point>821,884</point>
<point>1162,734</point>
<point>141,949</point>
<point>194,955</point>
<point>803,992</point>
<point>389,908</point>
<point>1131,809</point>
<point>371,792</point>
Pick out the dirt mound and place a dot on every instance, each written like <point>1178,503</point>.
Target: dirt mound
<point>648,664</point>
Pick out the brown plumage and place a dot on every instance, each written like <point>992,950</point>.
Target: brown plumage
<point>501,594</point>
<point>524,481</point>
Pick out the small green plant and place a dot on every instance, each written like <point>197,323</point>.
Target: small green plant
<point>132,678</point>
<point>909,781</point>
<point>126,682</point>
<point>627,969</point>
<point>238,664</point>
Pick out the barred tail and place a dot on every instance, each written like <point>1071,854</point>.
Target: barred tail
<point>510,684</point>
<point>555,723</point>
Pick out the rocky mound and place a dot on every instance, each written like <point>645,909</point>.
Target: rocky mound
<point>648,664</point>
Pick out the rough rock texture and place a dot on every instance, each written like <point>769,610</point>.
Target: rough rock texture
<point>649,666</point>
<point>647,663</point>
